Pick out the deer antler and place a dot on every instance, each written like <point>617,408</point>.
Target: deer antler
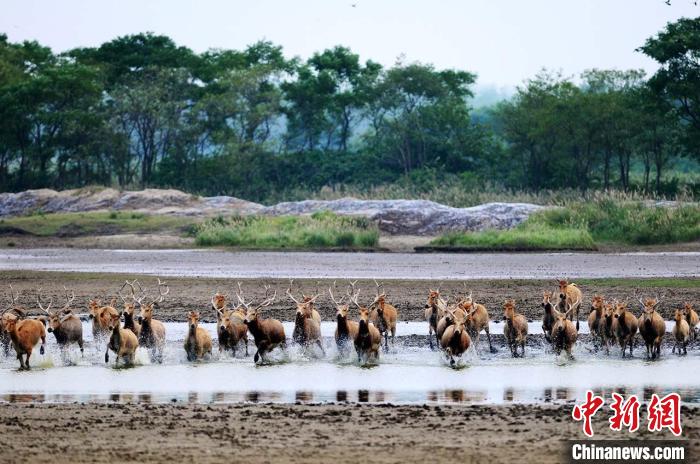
<point>239,296</point>
<point>336,302</point>
<point>354,295</point>
<point>69,300</point>
<point>289,292</point>
<point>267,301</point>
<point>38,300</point>
<point>161,295</point>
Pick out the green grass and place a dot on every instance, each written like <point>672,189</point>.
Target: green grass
<point>587,225</point>
<point>318,231</point>
<point>643,283</point>
<point>93,223</point>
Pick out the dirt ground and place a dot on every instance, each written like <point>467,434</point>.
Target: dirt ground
<point>408,296</point>
<point>265,433</point>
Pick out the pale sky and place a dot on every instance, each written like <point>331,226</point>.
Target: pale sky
<point>502,41</point>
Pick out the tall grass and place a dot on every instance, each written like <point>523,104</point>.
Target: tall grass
<point>586,225</point>
<point>318,231</point>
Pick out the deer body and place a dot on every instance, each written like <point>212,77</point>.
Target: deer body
<point>651,327</point>
<point>25,334</point>
<point>515,329</point>
<point>198,340</point>
<point>435,310</point>
<point>384,316</point>
<point>455,340</point>
<point>549,316</point>
<point>624,327</point>
<point>572,296</point>
<point>122,342</point>
<point>681,332</point>
<point>691,317</point>
<point>596,319</point>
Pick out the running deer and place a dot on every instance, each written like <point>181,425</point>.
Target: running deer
<point>230,324</point>
<point>550,315</point>
<point>455,340</point>
<point>152,334</point>
<point>346,331</point>
<point>368,340</point>
<point>64,325</point>
<point>596,319</point>
<point>307,330</point>
<point>101,316</point>
<point>651,326</point>
<point>564,333</point>
<point>515,328</point>
<point>14,312</point>
<point>681,332</point>
<point>607,328</point>
<point>477,320</point>
<point>624,327</point>
<point>129,312</point>
<point>435,309</point>
<point>691,318</point>
<point>267,333</point>
<point>573,297</point>
<point>198,340</point>
<point>383,315</point>
<point>122,341</point>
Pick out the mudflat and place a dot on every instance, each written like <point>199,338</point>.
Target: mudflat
<point>271,433</point>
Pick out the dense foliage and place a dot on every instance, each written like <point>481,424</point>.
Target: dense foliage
<point>142,111</point>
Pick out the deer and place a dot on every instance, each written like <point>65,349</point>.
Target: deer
<point>152,334</point>
<point>607,326</point>
<point>681,332</point>
<point>25,334</point>
<point>435,309</point>
<point>369,339</point>
<point>550,315</point>
<point>14,311</point>
<point>651,327</point>
<point>383,315</point>
<point>307,329</point>
<point>515,328</point>
<point>448,319</point>
<point>231,328</point>
<point>564,333</point>
<point>477,320</point>
<point>101,316</point>
<point>64,325</point>
<point>346,331</point>
<point>596,319</point>
<point>122,341</point>
<point>624,327</point>
<point>129,313</point>
<point>455,341</point>
<point>268,333</point>
<point>571,293</point>
<point>198,340</point>
<point>691,317</point>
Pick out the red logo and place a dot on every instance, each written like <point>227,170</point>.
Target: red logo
<point>665,413</point>
<point>587,410</point>
<point>626,413</point>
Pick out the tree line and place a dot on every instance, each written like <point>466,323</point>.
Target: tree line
<point>142,111</point>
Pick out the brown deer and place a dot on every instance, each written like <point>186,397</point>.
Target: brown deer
<point>368,340</point>
<point>101,316</point>
<point>346,331</point>
<point>572,294</point>
<point>129,313</point>
<point>681,332</point>
<point>435,309</point>
<point>564,333</point>
<point>122,341</point>
<point>310,300</point>
<point>383,315</point>
<point>550,315</point>
<point>198,340</point>
<point>691,317</point>
<point>477,320</point>
<point>25,334</point>
<point>624,327</point>
<point>231,328</point>
<point>455,340</point>
<point>64,325</point>
<point>595,319</point>
<point>307,330</point>
<point>515,328</point>
<point>14,311</point>
<point>267,333</point>
<point>607,327</point>
<point>651,327</point>
<point>152,334</point>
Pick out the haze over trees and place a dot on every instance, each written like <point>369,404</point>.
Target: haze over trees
<point>142,111</point>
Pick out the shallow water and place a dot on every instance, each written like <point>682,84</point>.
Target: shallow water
<point>407,374</point>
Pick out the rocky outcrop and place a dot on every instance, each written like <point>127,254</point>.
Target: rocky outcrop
<point>400,217</point>
<point>416,217</point>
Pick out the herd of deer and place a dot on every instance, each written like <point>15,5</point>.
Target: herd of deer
<point>452,326</point>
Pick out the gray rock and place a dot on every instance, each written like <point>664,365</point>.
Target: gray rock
<point>416,217</point>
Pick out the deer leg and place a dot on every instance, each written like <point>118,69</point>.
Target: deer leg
<point>488,337</point>
<point>107,355</point>
<point>43,343</point>
<point>430,336</point>
<point>80,344</point>
<point>386,341</point>
<point>246,345</point>
<point>320,345</point>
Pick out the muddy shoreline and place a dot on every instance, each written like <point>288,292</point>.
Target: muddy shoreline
<point>261,433</point>
<point>409,296</point>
